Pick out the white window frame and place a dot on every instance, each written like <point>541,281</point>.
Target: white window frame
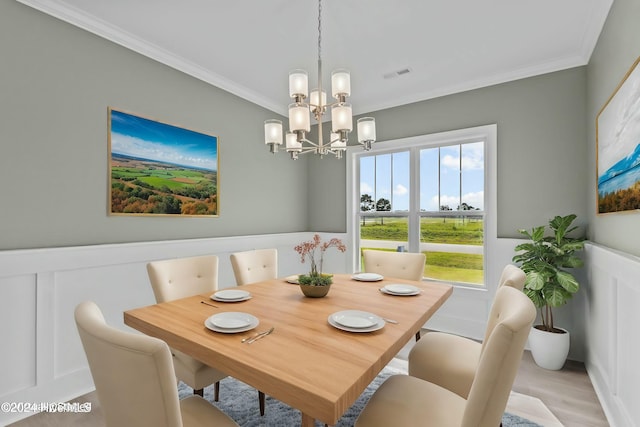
<point>486,133</point>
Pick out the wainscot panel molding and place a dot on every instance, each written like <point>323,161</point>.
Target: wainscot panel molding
<point>39,289</point>
<point>42,359</point>
<point>611,317</point>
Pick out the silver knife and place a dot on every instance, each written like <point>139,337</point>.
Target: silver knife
<point>262,335</point>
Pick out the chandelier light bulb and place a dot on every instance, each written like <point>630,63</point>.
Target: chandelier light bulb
<point>366,129</point>
<point>315,102</point>
<point>273,132</point>
<point>298,83</point>
<point>299,119</point>
<point>341,118</point>
<point>292,142</point>
<point>340,83</point>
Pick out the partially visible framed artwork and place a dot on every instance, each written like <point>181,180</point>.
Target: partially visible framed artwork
<point>159,169</point>
<point>618,147</point>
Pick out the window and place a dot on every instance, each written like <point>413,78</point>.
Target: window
<point>427,194</point>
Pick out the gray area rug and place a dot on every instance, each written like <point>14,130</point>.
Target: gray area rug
<point>240,402</point>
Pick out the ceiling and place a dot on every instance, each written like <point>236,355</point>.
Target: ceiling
<point>247,47</point>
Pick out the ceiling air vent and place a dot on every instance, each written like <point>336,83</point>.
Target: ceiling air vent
<point>397,73</point>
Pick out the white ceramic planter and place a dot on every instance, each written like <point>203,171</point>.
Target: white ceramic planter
<point>549,350</point>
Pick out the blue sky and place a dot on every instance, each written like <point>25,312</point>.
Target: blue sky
<point>147,139</point>
<point>392,179</point>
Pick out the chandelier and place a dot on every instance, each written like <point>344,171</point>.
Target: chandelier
<point>300,112</point>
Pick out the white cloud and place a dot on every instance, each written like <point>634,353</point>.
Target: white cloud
<point>136,147</point>
<point>473,158</point>
<point>474,199</point>
<point>366,188</point>
<point>451,161</point>
<point>400,190</point>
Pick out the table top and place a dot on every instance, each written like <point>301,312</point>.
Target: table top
<point>305,363</point>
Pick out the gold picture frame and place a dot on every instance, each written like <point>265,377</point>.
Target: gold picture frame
<point>618,147</point>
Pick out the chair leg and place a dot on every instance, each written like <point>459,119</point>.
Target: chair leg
<point>261,401</point>
<point>417,336</point>
<point>199,392</point>
<point>216,391</point>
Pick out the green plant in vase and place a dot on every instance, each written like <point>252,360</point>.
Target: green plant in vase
<point>544,259</point>
<point>308,251</point>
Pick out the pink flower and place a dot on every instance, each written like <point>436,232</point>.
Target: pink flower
<point>308,250</point>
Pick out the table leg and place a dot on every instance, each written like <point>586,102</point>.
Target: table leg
<point>307,421</point>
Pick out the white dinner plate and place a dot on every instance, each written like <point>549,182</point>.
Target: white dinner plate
<point>355,321</point>
<point>231,322</point>
<point>367,277</point>
<point>401,290</point>
<point>292,279</point>
<point>231,295</point>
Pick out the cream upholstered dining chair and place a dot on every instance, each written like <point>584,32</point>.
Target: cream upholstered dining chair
<point>254,266</point>
<point>401,265</point>
<point>408,401</point>
<point>135,380</point>
<point>180,278</point>
<point>512,276</point>
<point>450,360</point>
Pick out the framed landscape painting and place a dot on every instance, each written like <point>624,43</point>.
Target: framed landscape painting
<point>618,147</point>
<point>160,169</point>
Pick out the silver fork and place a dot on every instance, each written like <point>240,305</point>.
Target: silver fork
<point>252,338</point>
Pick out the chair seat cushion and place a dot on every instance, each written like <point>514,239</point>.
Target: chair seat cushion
<point>406,401</point>
<point>447,360</point>
<point>193,372</point>
<point>197,412</point>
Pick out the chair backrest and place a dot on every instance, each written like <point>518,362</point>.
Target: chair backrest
<point>133,373</point>
<point>510,321</point>
<point>255,266</point>
<point>401,265</point>
<point>512,276</point>
<point>182,277</point>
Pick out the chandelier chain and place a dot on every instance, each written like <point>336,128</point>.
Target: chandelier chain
<point>319,30</point>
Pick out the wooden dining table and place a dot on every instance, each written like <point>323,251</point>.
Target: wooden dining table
<point>306,362</point>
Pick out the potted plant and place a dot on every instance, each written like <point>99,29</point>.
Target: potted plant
<point>316,284</point>
<point>544,260</point>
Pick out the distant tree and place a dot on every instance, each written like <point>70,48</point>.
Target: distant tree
<point>383,205</point>
<point>445,208</point>
<point>366,205</point>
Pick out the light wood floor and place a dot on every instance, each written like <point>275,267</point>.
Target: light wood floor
<point>567,393</point>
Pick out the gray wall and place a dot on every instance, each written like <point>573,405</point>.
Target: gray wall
<point>542,150</point>
<point>56,82</point>
<point>617,49</point>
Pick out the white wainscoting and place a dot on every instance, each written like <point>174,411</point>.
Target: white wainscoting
<point>611,316</point>
<point>41,357</point>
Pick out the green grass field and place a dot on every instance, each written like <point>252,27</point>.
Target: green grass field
<point>175,190</point>
<point>432,230</point>
<point>448,266</point>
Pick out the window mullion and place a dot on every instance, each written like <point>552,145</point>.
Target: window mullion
<point>414,200</point>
